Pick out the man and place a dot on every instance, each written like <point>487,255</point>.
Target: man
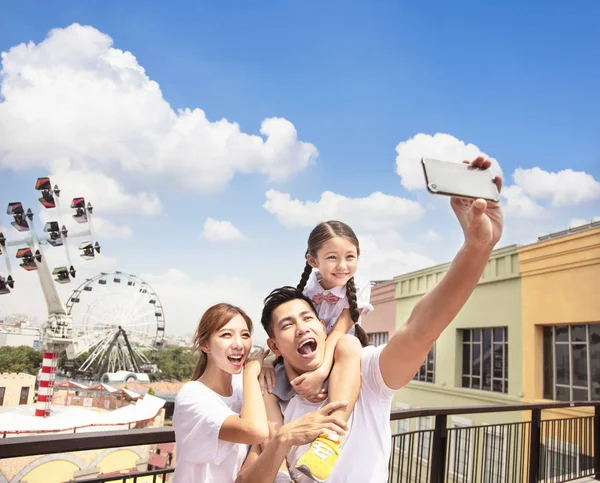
<point>290,321</point>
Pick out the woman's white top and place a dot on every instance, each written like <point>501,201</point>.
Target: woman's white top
<point>198,417</point>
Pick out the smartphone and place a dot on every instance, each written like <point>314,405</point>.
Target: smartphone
<point>459,179</point>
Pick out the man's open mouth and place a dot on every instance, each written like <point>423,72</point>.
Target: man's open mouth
<point>307,347</point>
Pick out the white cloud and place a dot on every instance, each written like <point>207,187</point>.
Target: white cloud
<point>101,227</point>
<point>439,146</point>
<point>376,212</point>
<point>221,231</point>
<point>431,236</point>
<point>566,187</point>
<point>518,204</point>
<point>575,222</point>
<point>106,194</point>
<point>186,299</point>
<point>73,96</point>
<point>385,256</point>
<point>104,228</point>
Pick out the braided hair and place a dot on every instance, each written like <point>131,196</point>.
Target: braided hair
<point>359,332</point>
<point>305,274</point>
<point>318,236</point>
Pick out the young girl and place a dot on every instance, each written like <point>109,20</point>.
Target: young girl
<point>328,280</point>
<point>214,421</point>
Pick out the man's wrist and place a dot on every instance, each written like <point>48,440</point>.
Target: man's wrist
<point>282,438</point>
<point>477,251</point>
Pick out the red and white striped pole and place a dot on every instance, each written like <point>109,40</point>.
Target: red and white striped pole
<point>46,389</point>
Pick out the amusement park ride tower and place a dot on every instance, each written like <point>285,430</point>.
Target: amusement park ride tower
<point>57,332</point>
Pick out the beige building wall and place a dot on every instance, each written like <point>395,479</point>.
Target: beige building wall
<point>12,385</point>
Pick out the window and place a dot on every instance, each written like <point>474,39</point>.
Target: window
<point>400,427</point>
<point>24,395</point>
<point>569,374</point>
<point>378,338</point>
<point>427,371</point>
<point>2,391</point>
<point>425,424</point>
<point>461,445</point>
<point>559,459</point>
<point>494,454</point>
<point>485,359</point>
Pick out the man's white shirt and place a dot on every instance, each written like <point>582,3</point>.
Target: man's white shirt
<point>366,448</point>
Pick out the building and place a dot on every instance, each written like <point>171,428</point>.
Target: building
<point>124,376</point>
<point>476,361</point>
<point>561,328</point>
<point>16,389</point>
<point>15,336</point>
<point>561,316</point>
<point>381,323</point>
<point>530,333</point>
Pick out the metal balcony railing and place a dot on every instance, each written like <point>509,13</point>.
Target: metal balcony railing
<point>531,449</point>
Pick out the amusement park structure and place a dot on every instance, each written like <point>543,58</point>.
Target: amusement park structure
<point>121,320</point>
<point>57,333</point>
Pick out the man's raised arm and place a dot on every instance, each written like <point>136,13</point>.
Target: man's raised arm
<point>482,223</point>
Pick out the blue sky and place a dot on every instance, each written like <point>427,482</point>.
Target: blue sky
<point>519,82</point>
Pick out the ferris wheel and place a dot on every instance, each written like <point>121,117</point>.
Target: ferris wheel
<point>120,318</point>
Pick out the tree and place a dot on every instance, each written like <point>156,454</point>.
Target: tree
<point>70,366</point>
<point>176,363</point>
<point>20,359</point>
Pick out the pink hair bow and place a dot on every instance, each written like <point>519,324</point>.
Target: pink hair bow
<point>322,297</point>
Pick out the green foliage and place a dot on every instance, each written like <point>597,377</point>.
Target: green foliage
<point>70,366</point>
<point>175,363</point>
<point>151,392</point>
<point>20,359</point>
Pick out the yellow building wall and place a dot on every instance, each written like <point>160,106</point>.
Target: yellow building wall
<point>560,285</point>
<point>117,461</point>
<point>51,472</point>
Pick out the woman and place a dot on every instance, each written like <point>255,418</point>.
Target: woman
<point>215,419</point>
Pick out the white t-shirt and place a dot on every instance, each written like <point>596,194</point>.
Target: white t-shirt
<point>366,448</point>
<point>200,455</point>
<point>330,313</point>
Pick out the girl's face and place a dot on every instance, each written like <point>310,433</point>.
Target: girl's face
<point>336,260</point>
<point>229,347</point>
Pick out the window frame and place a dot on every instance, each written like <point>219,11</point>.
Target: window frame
<point>459,423</point>
<point>423,372</point>
<point>470,343</point>
<point>552,393</point>
<point>374,338</point>
<point>496,431</point>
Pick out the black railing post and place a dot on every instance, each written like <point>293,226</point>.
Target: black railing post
<point>597,442</point>
<point>438,450</point>
<point>534,445</point>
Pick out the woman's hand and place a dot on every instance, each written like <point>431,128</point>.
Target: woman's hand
<point>267,374</point>
<point>481,220</point>
<point>255,360</point>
